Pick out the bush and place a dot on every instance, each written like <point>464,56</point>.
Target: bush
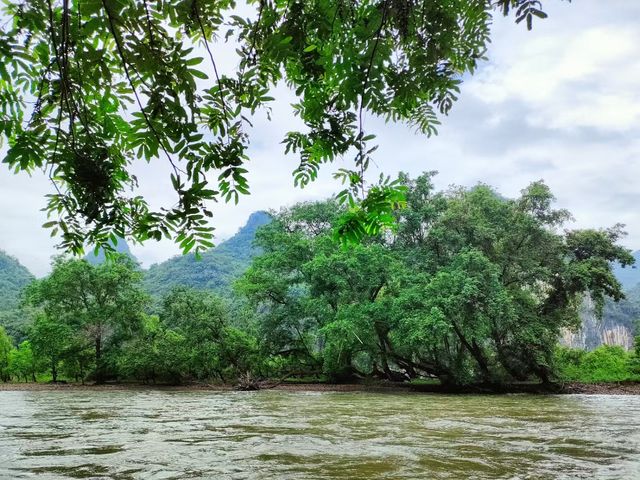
<point>604,364</point>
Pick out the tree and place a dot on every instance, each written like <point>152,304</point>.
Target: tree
<point>500,281</point>
<point>102,303</point>
<point>78,359</point>
<point>110,81</point>
<point>156,353</point>
<point>322,305</point>
<point>23,364</point>
<point>275,284</point>
<point>6,347</point>
<point>472,288</point>
<point>202,320</point>
<point>51,341</point>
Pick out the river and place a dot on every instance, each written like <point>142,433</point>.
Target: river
<point>316,435</point>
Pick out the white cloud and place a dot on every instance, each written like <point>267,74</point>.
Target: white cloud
<point>569,78</point>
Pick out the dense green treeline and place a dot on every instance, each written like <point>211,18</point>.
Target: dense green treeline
<point>470,288</point>
<point>96,322</point>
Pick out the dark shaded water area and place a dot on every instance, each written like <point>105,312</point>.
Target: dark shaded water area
<point>316,435</point>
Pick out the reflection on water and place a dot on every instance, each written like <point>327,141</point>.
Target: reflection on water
<point>286,435</point>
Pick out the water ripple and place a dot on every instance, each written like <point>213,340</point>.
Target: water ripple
<point>316,435</point>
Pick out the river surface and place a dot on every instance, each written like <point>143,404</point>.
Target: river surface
<point>316,435</point>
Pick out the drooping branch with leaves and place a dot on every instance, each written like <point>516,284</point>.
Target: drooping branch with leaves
<point>88,87</point>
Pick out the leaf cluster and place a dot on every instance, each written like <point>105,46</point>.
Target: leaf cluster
<point>88,87</point>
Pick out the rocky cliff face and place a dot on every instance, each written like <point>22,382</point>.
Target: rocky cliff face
<point>619,322</point>
<point>616,327</point>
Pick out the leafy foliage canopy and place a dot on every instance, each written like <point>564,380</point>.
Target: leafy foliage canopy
<point>89,86</point>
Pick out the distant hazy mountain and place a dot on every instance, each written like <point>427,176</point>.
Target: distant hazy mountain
<point>13,278</point>
<point>120,247</point>
<point>629,276</point>
<point>217,268</point>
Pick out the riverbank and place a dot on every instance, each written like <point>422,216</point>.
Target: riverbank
<point>624,388</point>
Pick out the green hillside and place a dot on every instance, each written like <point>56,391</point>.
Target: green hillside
<point>13,278</point>
<point>217,268</point>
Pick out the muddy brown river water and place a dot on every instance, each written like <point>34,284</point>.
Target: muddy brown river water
<point>316,435</point>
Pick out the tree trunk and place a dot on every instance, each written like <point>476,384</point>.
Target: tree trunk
<point>99,370</point>
<point>542,373</point>
<point>475,352</point>
<point>385,348</point>
<point>54,371</point>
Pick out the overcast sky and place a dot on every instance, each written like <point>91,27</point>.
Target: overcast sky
<point>560,103</point>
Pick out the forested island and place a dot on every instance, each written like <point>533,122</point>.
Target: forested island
<point>471,289</point>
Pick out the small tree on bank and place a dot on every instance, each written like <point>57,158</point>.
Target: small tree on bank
<point>102,304</point>
<point>6,347</point>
